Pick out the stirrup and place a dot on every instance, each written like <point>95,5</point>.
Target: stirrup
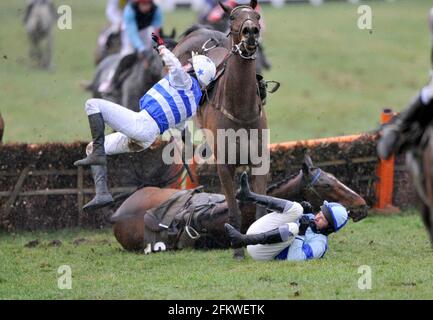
<point>277,86</point>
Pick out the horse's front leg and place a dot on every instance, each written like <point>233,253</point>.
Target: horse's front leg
<point>259,185</point>
<point>226,175</point>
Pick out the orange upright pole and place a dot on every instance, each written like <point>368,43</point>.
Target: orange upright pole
<point>385,173</point>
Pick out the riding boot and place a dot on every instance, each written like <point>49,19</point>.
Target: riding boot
<point>97,157</point>
<point>239,240</point>
<point>388,143</point>
<point>103,196</point>
<point>272,203</point>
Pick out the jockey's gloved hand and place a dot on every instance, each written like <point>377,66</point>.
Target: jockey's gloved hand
<point>304,223</point>
<point>308,208</point>
<point>158,40</point>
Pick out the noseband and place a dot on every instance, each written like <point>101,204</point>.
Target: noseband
<point>236,48</point>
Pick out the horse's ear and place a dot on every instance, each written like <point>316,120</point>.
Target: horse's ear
<point>173,33</point>
<point>307,160</point>
<point>226,8</point>
<point>253,4</point>
<point>305,169</point>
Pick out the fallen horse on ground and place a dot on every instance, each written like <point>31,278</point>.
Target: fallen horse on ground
<point>154,219</point>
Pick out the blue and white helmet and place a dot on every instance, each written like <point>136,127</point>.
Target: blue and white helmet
<point>336,214</point>
<point>204,68</point>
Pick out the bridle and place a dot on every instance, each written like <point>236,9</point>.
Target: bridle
<point>310,184</point>
<point>236,48</point>
<point>310,187</point>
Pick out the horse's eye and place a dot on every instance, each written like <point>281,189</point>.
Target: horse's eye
<point>258,16</point>
<point>232,18</point>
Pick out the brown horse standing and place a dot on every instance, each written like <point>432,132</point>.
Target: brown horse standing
<point>235,105</point>
<point>129,223</point>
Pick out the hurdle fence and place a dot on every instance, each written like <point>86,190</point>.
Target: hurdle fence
<point>41,189</point>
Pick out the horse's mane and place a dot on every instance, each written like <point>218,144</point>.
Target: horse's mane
<point>193,28</point>
<point>278,184</point>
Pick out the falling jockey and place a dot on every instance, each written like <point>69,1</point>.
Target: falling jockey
<point>291,231</point>
<point>169,103</point>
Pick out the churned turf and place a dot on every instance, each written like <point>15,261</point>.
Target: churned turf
<point>395,248</point>
<point>335,78</point>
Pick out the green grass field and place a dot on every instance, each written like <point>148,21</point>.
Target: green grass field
<point>396,249</point>
<point>335,80</point>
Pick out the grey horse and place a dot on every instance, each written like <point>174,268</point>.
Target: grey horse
<point>131,76</point>
<point>39,19</point>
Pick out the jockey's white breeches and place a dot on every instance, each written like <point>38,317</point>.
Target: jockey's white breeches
<point>136,131</point>
<point>272,221</point>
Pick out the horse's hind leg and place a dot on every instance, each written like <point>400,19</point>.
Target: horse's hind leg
<point>427,217</point>
<point>226,174</point>
<point>47,49</point>
<point>34,52</point>
<point>259,184</point>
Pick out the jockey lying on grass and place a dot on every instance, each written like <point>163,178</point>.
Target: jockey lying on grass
<point>168,104</point>
<point>291,231</point>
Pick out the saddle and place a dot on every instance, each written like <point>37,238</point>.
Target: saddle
<point>181,215</point>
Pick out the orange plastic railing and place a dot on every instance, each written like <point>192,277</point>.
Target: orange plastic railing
<point>385,173</point>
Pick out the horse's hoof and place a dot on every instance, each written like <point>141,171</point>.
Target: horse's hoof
<point>239,254</point>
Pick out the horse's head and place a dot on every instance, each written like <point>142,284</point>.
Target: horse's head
<point>244,27</point>
<point>169,40</point>
<point>318,185</point>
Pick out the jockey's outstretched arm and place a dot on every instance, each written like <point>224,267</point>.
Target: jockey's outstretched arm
<point>114,13</point>
<point>177,76</point>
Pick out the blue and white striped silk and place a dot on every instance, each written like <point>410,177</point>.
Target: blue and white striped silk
<point>169,106</point>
